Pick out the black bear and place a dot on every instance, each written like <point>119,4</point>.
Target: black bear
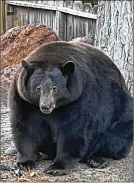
<point>70,101</point>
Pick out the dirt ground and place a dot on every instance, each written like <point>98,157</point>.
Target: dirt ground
<point>118,171</point>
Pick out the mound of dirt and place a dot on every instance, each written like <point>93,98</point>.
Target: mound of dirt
<point>19,42</point>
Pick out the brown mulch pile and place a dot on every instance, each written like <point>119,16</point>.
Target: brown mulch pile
<point>19,42</point>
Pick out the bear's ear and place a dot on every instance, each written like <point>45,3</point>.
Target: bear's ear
<point>24,64</point>
<point>68,67</point>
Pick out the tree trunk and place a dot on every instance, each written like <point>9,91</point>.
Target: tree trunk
<point>114,35</point>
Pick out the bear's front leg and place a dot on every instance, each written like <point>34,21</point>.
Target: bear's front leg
<point>23,141</point>
<point>67,150</point>
<point>26,155</point>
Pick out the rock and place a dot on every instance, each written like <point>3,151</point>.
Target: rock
<point>18,42</point>
<point>11,150</point>
<point>87,39</point>
<point>7,75</point>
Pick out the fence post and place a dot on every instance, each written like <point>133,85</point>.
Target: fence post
<point>2,16</point>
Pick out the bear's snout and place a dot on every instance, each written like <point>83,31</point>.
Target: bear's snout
<point>47,109</point>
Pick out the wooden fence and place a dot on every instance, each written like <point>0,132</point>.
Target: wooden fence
<point>70,19</point>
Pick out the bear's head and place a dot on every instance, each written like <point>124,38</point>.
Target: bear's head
<point>49,87</point>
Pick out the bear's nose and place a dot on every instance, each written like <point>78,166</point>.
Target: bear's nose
<point>45,107</point>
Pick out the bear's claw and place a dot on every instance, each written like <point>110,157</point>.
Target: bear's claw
<point>98,162</point>
<point>57,172</point>
<point>27,165</point>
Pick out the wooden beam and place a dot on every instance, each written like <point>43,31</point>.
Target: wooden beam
<point>31,5</point>
<point>77,13</point>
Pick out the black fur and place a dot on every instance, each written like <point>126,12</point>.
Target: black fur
<point>92,117</point>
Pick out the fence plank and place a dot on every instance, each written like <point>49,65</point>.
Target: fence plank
<point>9,17</point>
<point>61,25</point>
<point>94,2</point>
<point>25,18</point>
<point>78,5</point>
<point>45,2</point>
<point>68,4</point>
<point>87,7</point>
<point>95,8</point>
<point>59,3</point>
<point>70,27</point>
<point>51,3</point>
<point>16,19</point>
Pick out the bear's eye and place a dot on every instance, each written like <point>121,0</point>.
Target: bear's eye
<point>55,89</point>
<point>38,88</point>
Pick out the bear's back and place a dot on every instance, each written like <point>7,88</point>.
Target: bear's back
<point>59,52</point>
<point>89,59</point>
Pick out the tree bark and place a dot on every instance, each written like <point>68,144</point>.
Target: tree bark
<point>114,35</point>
